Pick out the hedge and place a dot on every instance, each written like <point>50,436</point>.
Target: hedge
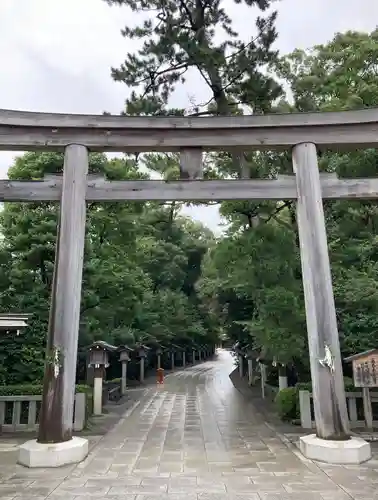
<point>307,386</point>
<point>37,389</point>
<point>287,400</point>
<point>34,389</point>
<point>287,403</point>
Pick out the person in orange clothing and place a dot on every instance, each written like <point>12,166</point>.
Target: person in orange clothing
<point>160,375</point>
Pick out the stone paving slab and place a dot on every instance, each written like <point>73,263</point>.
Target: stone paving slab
<point>194,438</point>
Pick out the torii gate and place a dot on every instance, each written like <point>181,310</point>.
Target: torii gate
<point>78,134</point>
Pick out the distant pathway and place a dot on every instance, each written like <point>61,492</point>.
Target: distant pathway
<point>195,438</point>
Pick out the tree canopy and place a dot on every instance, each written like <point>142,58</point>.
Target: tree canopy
<point>152,275</point>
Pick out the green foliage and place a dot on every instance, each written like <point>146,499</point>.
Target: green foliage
<point>114,381</point>
<point>287,404</point>
<point>339,75</point>
<point>348,385</point>
<point>287,400</point>
<point>179,38</point>
<point>252,277</point>
<point>274,319</point>
<point>150,274</point>
<point>140,268</point>
<point>34,390</point>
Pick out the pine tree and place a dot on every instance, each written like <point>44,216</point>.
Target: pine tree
<point>180,36</point>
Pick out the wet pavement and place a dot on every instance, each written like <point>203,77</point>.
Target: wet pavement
<point>194,438</point>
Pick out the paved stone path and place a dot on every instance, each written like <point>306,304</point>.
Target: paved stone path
<point>195,438</point>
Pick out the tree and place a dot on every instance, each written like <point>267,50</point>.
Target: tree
<point>180,40</point>
<point>181,36</point>
<point>335,76</point>
<point>341,75</point>
<point>338,75</point>
<point>140,267</point>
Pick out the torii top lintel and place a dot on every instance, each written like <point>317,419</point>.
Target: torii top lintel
<point>23,130</point>
<point>191,136</point>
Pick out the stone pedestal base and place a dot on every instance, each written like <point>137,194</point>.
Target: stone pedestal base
<point>351,452</point>
<point>34,454</point>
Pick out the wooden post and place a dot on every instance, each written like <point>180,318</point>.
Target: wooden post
<point>97,390</point>
<point>282,377</point>
<point>241,368</point>
<point>159,361</point>
<point>250,371</point>
<point>141,367</point>
<point>124,378</point>
<point>56,417</point>
<point>194,356</point>
<point>191,163</point>
<point>172,360</point>
<point>183,359</point>
<point>352,407</point>
<point>305,409</point>
<point>263,373</point>
<point>330,408</point>
<point>368,412</point>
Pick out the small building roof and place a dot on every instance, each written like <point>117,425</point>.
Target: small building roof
<point>103,345</point>
<point>176,347</point>
<point>142,346</point>
<point>125,348</point>
<point>360,355</point>
<point>13,321</point>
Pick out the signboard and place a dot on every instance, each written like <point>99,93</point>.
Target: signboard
<point>365,371</point>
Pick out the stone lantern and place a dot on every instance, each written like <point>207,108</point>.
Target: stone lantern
<point>251,355</point>
<point>194,349</point>
<point>174,349</point>
<point>98,357</point>
<point>183,352</point>
<point>239,351</point>
<point>159,351</point>
<point>13,323</point>
<point>142,352</point>
<point>124,357</point>
<point>193,354</point>
<point>99,360</point>
<point>262,362</point>
<point>200,353</point>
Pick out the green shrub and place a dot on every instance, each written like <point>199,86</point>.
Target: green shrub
<point>113,381</point>
<point>37,389</point>
<point>287,400</point>
<point>33,389</point>
<point>287,403</point>
<point>21,390</point>
<point>307,386</point>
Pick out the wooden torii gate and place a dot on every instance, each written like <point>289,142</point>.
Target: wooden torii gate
<point>76,135</point>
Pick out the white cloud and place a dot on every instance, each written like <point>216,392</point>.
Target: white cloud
<point>56,54</point>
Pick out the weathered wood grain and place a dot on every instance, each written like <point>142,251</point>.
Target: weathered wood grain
<point>330,408</point>
<point>191,166</point>
<point>50,189</point>
<point>31,119</point>
<point>60,372</point>
<point>99,189</point>
<point>39,131</point>
<point>368,411</point>
<point>337,137</point>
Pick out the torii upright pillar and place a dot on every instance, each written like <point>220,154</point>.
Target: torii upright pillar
<point>332,440</point>
<point>55,445</point>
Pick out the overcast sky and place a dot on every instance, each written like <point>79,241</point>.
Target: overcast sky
<point>56,54</point>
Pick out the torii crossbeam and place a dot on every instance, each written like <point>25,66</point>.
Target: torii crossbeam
<point>76,135</point>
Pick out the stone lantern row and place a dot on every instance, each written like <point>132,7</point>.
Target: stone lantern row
<point>99,361</point>
<point>257,362</point>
